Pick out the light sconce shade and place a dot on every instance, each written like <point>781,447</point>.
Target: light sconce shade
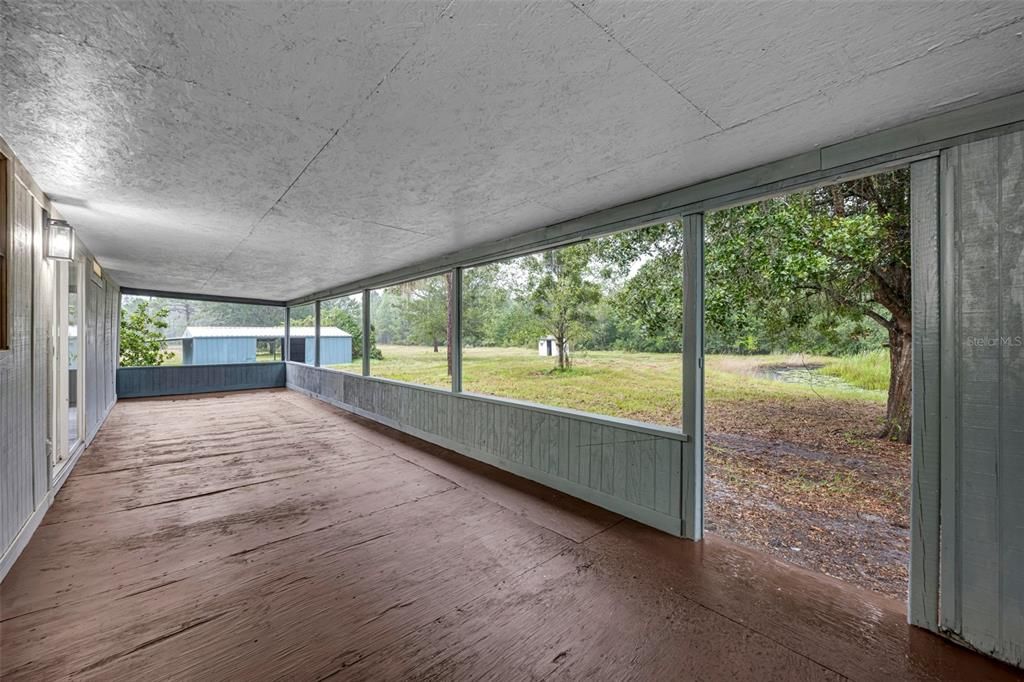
<point>60,241</point>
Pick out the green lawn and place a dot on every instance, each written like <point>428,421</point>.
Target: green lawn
<point>867,370</point>
<point>642,386</point>
<point>175,351</point>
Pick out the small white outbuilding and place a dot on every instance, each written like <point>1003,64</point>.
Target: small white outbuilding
<point>547,347</point>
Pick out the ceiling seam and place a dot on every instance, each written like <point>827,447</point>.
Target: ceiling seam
<point>344,124</point>
<point>941,48</point>
<point>849,81</point>
<point>388,226</point>
<point>411,47</point>
<point>252,228</point>
<point>607,32</point>
<point>871,74</point>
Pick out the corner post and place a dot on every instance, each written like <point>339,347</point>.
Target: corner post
<point>316,334</point>
<point>926,441</point>
<point>286,352</point>
<point>692,484</point>
<point>456,321</point>
<point>366,332</point>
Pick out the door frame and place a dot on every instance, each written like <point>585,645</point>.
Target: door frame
<point>923,566</point>
<point>59,451</point>
<point>63,447</point>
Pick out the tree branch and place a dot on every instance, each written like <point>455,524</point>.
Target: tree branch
<point>887,323</point>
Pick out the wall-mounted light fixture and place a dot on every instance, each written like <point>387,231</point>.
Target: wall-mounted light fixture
<point>60,241</point>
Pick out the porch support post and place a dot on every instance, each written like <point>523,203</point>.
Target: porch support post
<point>286,352</point>
<point>366,332</point>
<point>928,344</point>
<point>316,344</point>
<point>455,314</point>
<point>692,484</point>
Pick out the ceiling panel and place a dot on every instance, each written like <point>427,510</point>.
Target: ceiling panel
<point>269,149</point>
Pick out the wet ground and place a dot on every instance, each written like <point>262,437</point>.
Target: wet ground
<point>808,481</point>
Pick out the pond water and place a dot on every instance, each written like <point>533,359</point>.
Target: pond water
<point>806,374</point>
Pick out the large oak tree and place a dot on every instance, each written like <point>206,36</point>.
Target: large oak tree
<point>774,265</point>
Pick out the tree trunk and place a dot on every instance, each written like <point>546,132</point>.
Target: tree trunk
<point>563,355</point>
<point>436,344</point>
<point>898,407</point>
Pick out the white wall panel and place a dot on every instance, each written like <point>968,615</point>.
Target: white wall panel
<point>26,486</point>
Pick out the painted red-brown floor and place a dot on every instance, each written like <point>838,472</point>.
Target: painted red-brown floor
<point>265,535</point>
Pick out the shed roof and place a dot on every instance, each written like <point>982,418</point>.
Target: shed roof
<point>258,332</point>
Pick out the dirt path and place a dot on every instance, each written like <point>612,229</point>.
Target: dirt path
<point>809,482</point>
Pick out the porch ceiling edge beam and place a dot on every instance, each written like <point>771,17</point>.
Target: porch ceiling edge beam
<point>130,291</point>
<point>893,146</point>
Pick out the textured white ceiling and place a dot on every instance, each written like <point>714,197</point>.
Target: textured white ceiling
<point>270,149</point>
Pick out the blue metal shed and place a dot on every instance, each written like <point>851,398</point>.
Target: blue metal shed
<point>226,345</point>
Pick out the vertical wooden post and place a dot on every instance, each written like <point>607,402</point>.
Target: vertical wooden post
<point>692,485</point>
<point>923,604</point>
<point>286,352</point>
<point>366,332</point>
<point>316,332</point>
<point>456,317</point>
<point>950,616</point>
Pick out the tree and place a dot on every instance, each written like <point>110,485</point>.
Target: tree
<point>425,306</point>
<point>391,325</point>
<point>346,315</point>
<point>496,306</point>
<point>562,296</point>
<point>142,336</point>
<point>650,299</point>
<point>885,278</point>
<point>843,249</point>
<point>780,271</point>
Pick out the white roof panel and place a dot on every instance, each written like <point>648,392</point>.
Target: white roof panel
<point>258,332</point>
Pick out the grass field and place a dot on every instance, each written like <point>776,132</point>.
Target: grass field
<point>641,386</point>
<point>867,370</point>
<point>176,359</point>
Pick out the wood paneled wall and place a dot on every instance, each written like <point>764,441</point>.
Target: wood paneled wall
<point>103,302</point>
<point>144,382</point>
<point>26,482</point>
<point>634,470</point>
<point>18,442</point>
<point>982,395</point>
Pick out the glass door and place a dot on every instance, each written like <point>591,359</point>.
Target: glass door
<point>75,353</point>
<point>67,365</point>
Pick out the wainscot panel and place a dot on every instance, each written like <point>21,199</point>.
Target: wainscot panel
<point>146,382</point>
<point>630,468</point>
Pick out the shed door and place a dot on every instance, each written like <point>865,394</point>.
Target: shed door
<point>298,350</point>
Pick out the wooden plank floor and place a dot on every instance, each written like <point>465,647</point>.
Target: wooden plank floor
<point>265,535</point>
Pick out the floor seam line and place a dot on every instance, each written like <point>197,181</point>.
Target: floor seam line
<point>756,631</point>
<point>745,626</point>
<point>601,532</point>
<point>455,609</point>
<point>205,562</point>
<point>390,451</point>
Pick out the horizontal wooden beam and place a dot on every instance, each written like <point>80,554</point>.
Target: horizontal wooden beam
<point>130,291</point>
